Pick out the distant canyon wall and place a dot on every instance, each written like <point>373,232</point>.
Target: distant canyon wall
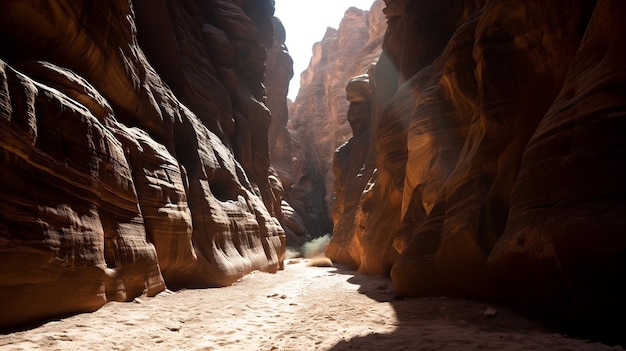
<point>134,150</point>
<point>317,118</point>
<point>488,156</point>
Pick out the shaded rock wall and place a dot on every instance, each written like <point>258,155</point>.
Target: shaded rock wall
<point>279,73</point>
<point>498,157</point>
<point>134,151</point>
<point>566,228</point>
<point>317,115</point>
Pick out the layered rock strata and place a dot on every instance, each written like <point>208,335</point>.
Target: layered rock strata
<point>279,73</point>
<point>318,112</point>
<point>498,157</point>
<point>134,151</point>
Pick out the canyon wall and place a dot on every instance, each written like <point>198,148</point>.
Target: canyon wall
<point>279,73</point>
<point>495,160</point>
<point>134,150</point>
<point>317,115</point>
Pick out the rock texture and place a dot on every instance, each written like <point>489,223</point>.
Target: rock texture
<point>134,151</point>
<point>279,73</point>
<point>566,228</point>
<point>318,112</point>
<point>496,167</point>
<point>352,170</point>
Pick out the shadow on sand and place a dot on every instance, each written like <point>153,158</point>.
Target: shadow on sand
<point>439,323</point>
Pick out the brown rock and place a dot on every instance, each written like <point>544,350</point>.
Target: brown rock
<point>318,113</point>
<point>563,251</point>
<point>472,180</point>
<point>71,232</point>
<point>279,73</point>
<point>498,169</point>
<point>102,163</point>
<point>351,173</point>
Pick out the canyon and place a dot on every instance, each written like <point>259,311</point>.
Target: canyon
<point>471,149</point>
<point>495,165</point>
<point>318,114</point>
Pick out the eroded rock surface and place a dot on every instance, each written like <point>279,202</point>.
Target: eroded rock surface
<point>498,157</point>
<point>318,113</point>
<point>279,73</point>
<point>134,151</point>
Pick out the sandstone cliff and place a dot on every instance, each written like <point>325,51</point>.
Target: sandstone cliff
<point>134,151</point>
<point>496,167</point>
<point>317,115</point>
<point>279,73</point>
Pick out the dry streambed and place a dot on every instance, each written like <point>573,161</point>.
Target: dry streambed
<point>300,308</point>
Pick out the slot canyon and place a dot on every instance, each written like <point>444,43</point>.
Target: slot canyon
<point>450,176</point>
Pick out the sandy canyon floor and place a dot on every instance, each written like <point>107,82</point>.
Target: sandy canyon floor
<point>300,308</point>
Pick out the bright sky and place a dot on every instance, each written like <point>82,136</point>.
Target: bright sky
<point>306,23</point>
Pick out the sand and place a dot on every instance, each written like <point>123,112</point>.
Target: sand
<point>300,308</point>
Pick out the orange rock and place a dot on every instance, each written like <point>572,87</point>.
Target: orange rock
<point>498,166</point>
<point>318,113</point>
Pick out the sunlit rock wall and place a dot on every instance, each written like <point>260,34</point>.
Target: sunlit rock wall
<point>498,157</point>
<point>133,151</point>
<point>318,112</point>
<point>352,170</point>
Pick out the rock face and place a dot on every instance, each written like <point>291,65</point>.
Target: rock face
<point>134,151</point>
<point>279,73</point>
<point>352,170</point>
<point>496,166</point>
<point>318,112</point>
